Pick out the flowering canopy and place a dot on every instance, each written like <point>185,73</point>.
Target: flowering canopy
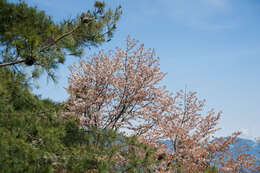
<point>118,89</point>
<point>121,90</point>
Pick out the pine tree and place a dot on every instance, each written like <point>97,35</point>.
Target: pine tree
<point>30,38</point>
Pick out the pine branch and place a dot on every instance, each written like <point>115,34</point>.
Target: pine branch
<point>59,38</point>
<point>44,48</point>
<point>11,63</point>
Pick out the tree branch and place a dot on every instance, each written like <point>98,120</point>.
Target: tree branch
<point>11,63</point>
<point>44,48</point>
<point>59,38</point>
<point>48,46</point>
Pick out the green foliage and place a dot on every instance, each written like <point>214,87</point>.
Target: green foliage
<point>15,94</point>
<point>32,144</point>
<point>29,37</point>
<point>211,170</point>
<point>23,134</point>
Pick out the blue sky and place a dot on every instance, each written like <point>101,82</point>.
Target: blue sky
<point>212,46</point>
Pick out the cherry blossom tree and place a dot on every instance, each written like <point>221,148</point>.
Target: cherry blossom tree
<point>189,132</point>
<point>121,90</point>
<point>118,89</point>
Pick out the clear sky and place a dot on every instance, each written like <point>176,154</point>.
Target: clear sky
<point>212,46</point>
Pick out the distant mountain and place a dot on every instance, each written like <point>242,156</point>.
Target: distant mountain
<point>253,146</point>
